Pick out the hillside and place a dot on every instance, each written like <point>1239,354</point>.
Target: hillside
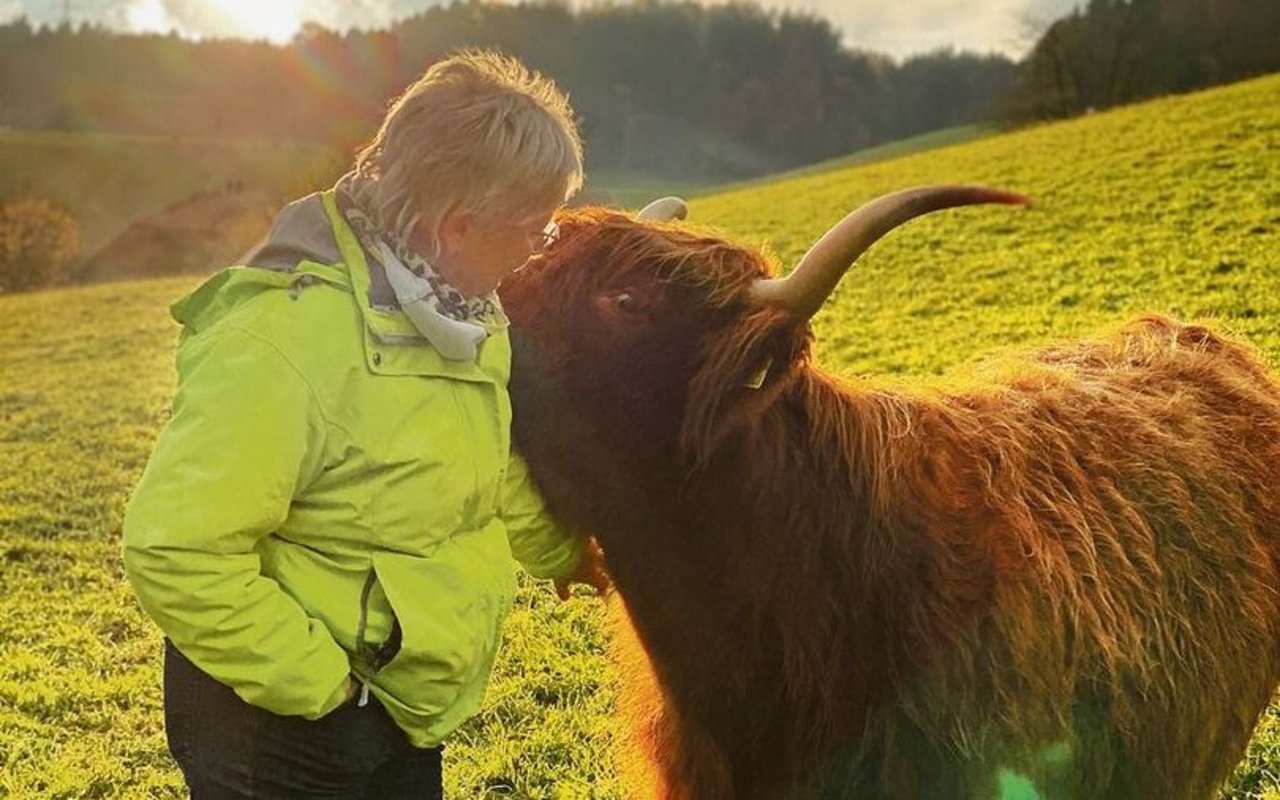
<point>1170,206</point>
<point>107,181</point>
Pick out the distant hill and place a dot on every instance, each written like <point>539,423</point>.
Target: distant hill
<point>127,193</point>
<point>883,152</point>
<point>197,234</point>
<point>108,181</point>
<point>1169,205</point>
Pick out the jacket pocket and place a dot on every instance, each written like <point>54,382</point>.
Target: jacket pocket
<point>377,640</point>
<point>449,608</point>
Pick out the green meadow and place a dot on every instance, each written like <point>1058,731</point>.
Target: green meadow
<point>1171,206</point>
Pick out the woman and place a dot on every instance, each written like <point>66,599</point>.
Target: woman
<point>324,531</point>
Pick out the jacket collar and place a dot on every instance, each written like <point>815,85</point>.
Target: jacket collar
<point>390,333</point>
<point>310,243</point>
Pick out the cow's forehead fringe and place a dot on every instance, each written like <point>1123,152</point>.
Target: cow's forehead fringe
<point>633,250</point>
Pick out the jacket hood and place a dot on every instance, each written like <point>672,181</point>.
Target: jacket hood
<point>301,231</point>
<point>300,248</point>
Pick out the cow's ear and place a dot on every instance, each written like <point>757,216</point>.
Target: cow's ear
<point>742,373</point>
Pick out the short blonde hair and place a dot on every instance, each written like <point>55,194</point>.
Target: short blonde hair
<point>478,129</point>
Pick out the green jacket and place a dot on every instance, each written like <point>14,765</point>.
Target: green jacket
<point>328,487</point>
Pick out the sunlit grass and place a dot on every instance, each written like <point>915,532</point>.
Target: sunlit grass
<point>1171,206</point>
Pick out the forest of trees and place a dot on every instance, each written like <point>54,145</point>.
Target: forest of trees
<point>665,89</point>
<point>668,88</point>
<point>1111,52</point>
<point>661,87</point>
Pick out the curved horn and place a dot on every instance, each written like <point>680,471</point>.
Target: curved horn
<point>807,287</point>
<point>664,209</point>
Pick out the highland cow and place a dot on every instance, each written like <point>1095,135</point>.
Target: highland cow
<point>1055,578</point>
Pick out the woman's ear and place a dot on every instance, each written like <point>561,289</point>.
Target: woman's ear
<point>454,227</point>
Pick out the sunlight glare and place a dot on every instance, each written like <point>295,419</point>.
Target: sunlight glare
<point>276,21</point>
<point>147,15</point>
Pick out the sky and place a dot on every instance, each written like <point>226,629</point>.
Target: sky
<point>897,27</point>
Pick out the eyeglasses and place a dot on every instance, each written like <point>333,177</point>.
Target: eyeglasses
<point>546,237</point>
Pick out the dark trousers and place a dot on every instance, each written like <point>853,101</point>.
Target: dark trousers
<point>228,748</point>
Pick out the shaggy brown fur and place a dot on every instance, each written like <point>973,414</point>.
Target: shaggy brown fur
<point>1062,571</point>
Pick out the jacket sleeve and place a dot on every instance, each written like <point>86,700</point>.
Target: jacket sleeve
<point>244,437</point>
<point>539,543</point>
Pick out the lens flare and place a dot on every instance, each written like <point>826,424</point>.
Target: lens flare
<point>276,21</point>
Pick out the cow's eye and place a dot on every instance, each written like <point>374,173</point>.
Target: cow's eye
<point>624,305</point>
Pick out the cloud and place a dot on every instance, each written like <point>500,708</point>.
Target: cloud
<point>364,14</point>
<point>904,28</point>
<point>897,28</point>
<point>186,17</point>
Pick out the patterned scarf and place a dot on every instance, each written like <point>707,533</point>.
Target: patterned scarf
<point>484,310</point>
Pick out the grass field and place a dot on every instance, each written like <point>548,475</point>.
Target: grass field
<point>634,190</point>
<point>1170,206</point>
<point>884,152</point>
